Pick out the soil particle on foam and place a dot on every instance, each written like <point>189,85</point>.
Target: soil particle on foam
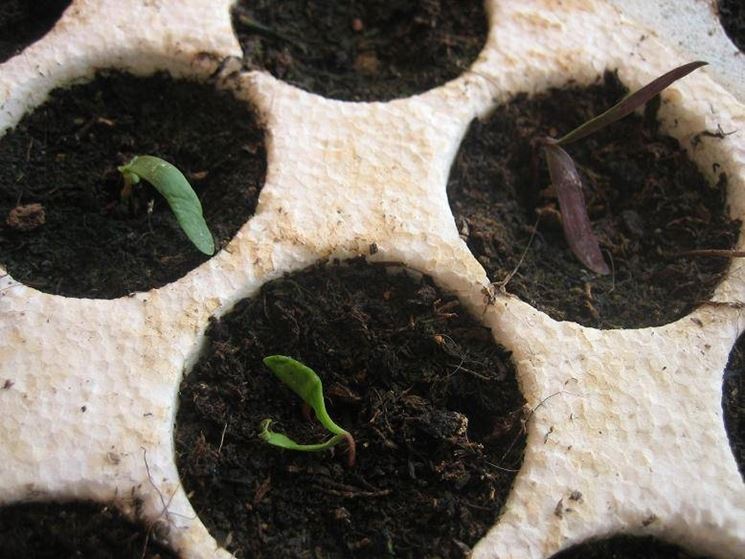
<point>404,369</point>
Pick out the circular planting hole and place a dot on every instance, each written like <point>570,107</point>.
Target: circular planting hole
<point>732,17</point>
<point>626,547</point>
<point>733,402</point>
<point>646,200</point>
<point>24,21</point>
<point>73,530</point>
<point>431,401</point>
<point>361,51</point>
<point>66,228</point>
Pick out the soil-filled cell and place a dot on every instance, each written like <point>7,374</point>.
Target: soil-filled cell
<point>733,402</point>
<point>732,16</point>
<point>73,531</point>
<point>361,51</point>
<point>430,399</point>
<point>67,228</point>
<point>24,21</point>
<point>626,547</point>
<point>648,204</point>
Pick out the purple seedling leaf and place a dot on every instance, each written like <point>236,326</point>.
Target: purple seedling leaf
<point>574,218</point>
<point>630,103</point>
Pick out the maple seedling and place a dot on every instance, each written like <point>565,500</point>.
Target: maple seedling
<point>566,179</point>
<point>177,191</point>
<point>304,382</point>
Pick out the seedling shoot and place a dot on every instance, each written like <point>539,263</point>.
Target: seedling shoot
<point>305,383</point>
<point>566,179</point>
<point>177,191</point>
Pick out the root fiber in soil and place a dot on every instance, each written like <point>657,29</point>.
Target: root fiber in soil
<point>361,51</point>
<point>647,202</point>
<point>73,531</point>
<point>431,400</point>
<point>23,22</point>
<point>77,236</point>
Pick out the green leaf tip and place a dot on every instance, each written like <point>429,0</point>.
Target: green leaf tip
<point>177,191</point>
<point>304,382</point>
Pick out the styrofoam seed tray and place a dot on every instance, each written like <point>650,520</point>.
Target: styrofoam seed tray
<point>634,416</point>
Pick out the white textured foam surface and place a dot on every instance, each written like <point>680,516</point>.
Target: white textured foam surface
<point>631,419</point>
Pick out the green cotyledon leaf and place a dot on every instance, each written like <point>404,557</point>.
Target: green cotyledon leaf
<point>283,441</point>
<point>305,383</point>
<point>177,191</point>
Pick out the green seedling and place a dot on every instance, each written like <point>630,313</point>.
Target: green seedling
<point>177,191</point>
<point>304,382</point>
<point>566,178</point>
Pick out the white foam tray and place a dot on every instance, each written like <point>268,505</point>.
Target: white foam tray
<point>631,419</point>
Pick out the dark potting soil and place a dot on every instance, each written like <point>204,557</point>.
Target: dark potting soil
<point>647,202</point>
<point>431,400</point>
<point>733,402</point>
<point>24,21</point>
<point>626,547</point>
<point>64,156</point>
<point>732,16</point>
<point>74,531</point>
<point>372,50</point>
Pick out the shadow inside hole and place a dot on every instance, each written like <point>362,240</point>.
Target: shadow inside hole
<point>647,202</point>
<point>361,51</point>
<point>626,547</point>
<point>84,240</point>
<point>732,17</point>
<point>23,22</point>
<point>78,529</point>
<point>431,400</point>
<point>733,402</point>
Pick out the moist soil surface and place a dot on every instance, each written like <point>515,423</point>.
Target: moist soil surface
<point>370,50</point>
<point>24,21</point>
<point>733,402</point>
<point>88,242</point>
<point>647,202</point>
<point>432,403</point>
<point>626,547</point>
<point>73,530</point>
<point>732,16</point>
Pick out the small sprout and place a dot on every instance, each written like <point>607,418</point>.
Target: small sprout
<point>566,178</point>
<point>305,383</point>
<point>177,191</point>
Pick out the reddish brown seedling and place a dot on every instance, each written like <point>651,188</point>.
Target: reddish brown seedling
<point>567,181</point>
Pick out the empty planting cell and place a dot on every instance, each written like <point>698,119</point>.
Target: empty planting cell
<point>71,530</point>
<point>361,51</point>
<point>68,227</point>
<point>626,547</point>
<point>733,402</point>
<point>732,16</point>
<point>648,204</point>
<point>430,399</point>
<point>24,21</point>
